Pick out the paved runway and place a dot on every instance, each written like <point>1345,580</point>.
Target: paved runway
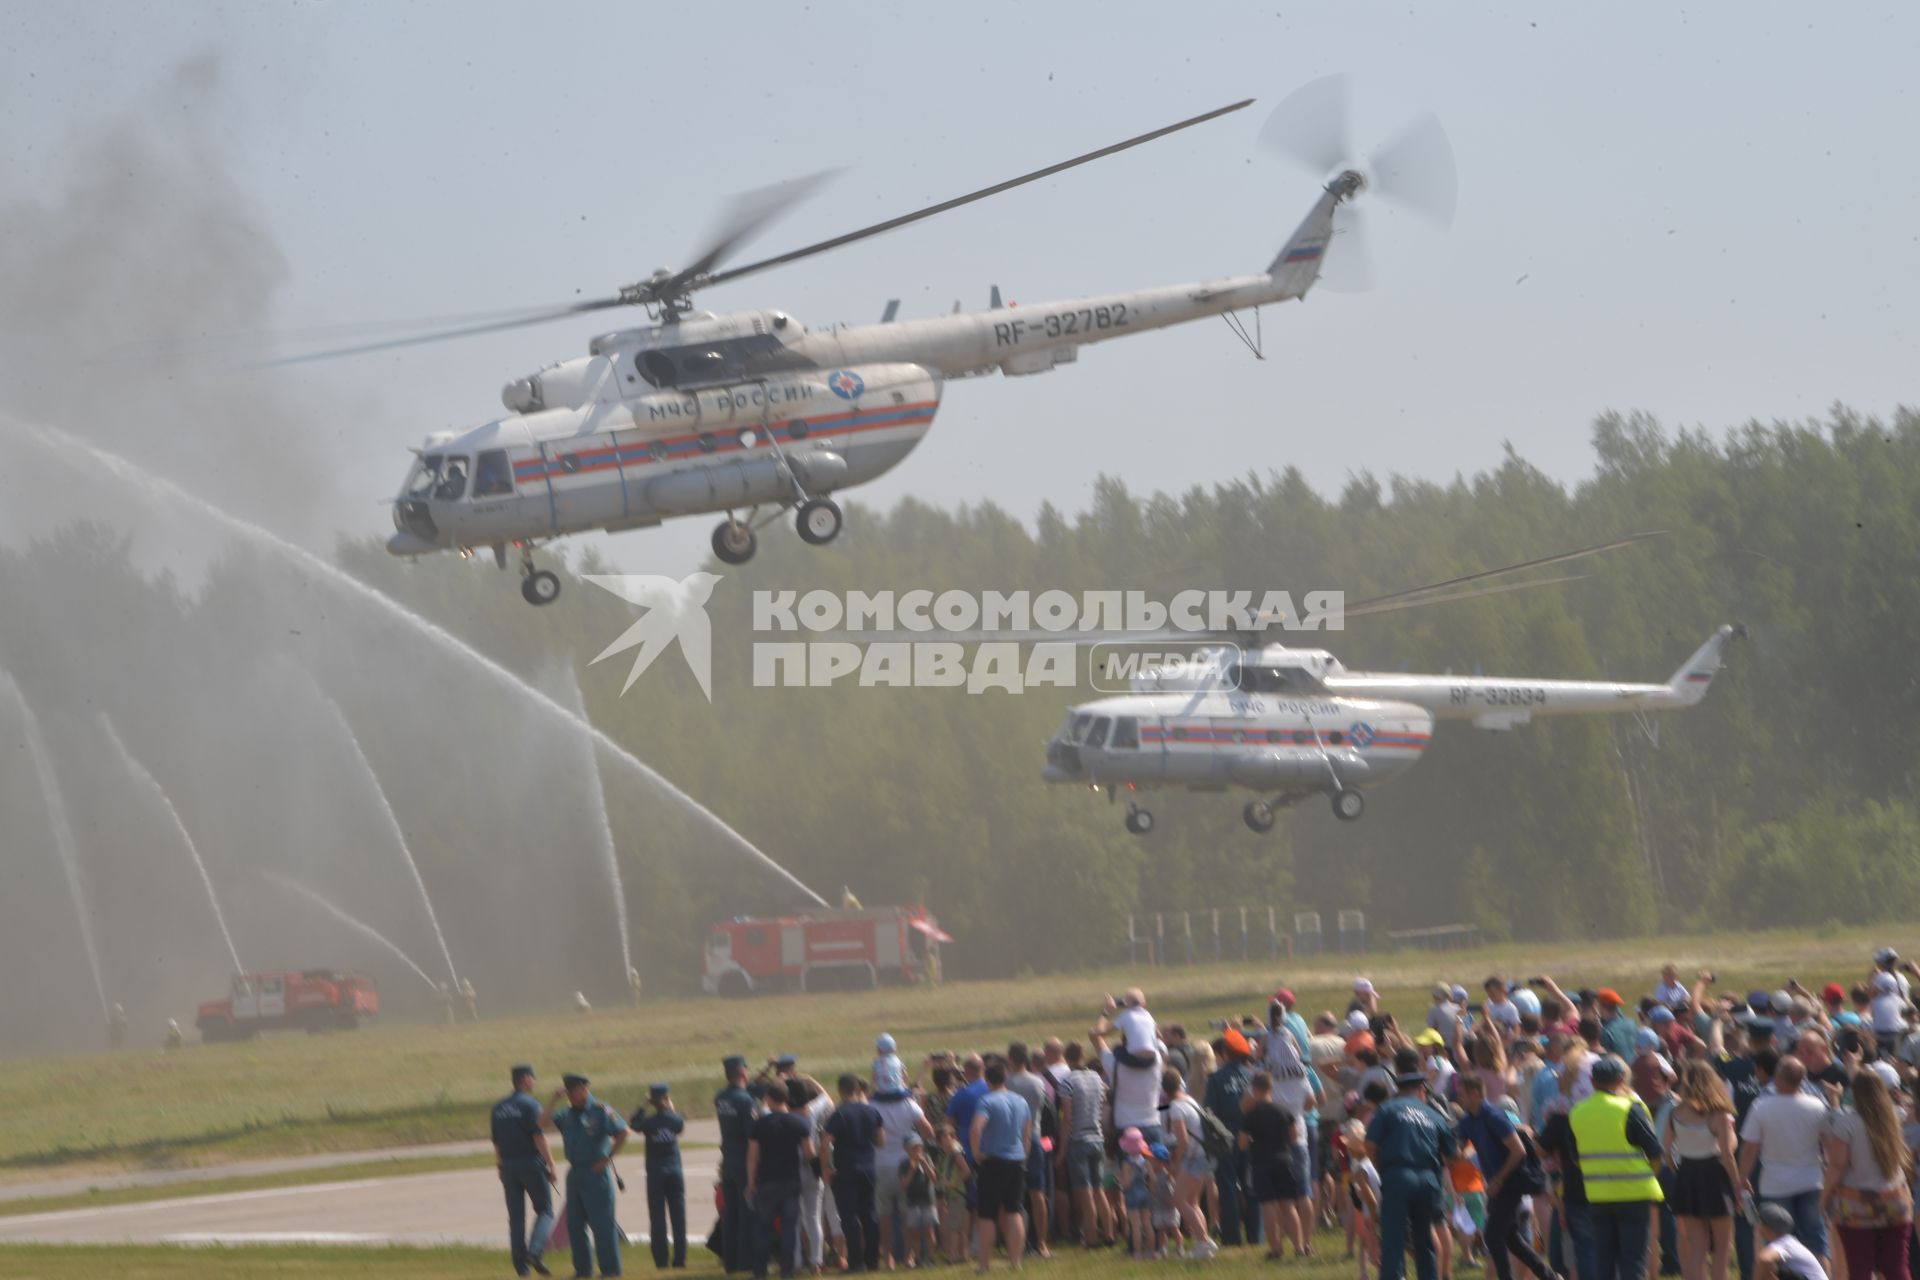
<point>461,1206</point>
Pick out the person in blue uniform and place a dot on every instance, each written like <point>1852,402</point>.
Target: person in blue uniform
<point>659,1125</point>
<point>592,1133</point>
<point>525,1163</point>
<point>1410,1143</point>
<point>733,1107</point>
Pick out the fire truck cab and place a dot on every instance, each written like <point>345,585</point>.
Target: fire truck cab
<point>823,950</point>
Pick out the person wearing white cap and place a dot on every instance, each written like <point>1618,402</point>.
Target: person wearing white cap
<point>1365,998</point>
<point>1889,1023</point>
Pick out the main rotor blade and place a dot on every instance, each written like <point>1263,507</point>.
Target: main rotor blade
<point>1632,539</point>
<point>520,321</point>
<point>1421,602</point>
<point>747,215</point>
<point>807,251</point>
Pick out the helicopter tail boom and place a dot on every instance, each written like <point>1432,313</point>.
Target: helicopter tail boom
<point>1689,683</point>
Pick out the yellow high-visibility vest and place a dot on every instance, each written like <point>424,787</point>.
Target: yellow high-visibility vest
<point>1613,1169</point>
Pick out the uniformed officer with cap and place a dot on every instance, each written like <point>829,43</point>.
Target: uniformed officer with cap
<point>1410,1142</point>
<point>733,1108</point>
<point>659,1125</point>
<point>525,1163</point>
<point>593,1134</point>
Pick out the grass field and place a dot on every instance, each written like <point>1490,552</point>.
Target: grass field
<point>402,1084</point>
<point>173,1262</point>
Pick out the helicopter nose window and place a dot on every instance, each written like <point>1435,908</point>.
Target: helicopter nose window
<point>425,475</point>
<point>453,481</point>
<point>1097,736</point>
<point>493,476</point>
<point>1126,733</point>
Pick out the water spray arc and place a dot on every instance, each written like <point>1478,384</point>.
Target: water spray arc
<point>58,443</point>
<point>145,777</point>
<point>61,823</point>
<point>359,926</point>
<point>394,828</point>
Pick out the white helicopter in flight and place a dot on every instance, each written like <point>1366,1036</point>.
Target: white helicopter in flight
<point>753,412</point>
<point>1289,723</point>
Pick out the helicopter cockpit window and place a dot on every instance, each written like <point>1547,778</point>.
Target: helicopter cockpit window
<point>453,480</point>
<point>425,475</point>
<point>494,476</point>
<point>1078,731</point>
<point>1236,677</point>
<point>1126,733</point>
<point>1097,736</point>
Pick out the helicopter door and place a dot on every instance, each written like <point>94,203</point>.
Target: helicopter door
<point>584,482</point>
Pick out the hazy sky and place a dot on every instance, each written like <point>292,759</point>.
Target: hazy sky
<point>1710,213</point>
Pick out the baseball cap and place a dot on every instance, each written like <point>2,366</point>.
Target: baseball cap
<point>1775,1217</point>
<point>570,1080</point>
<point>1158,1151</point>
<point>883,1043</point>
<point>1646,1038</point>
<point>785,1060</point>
<point>1428,1036</point>
<point>1357,1021</point>
<point>1459,993</point>
<point>1363,987</point>
<point>1133,1142</point>
<point>1285,996</point>
<point>1608,1069</point>
<point>1757,999</point>
<point>1889,1076</point>
<point>1833,993</point>
<point>1441,991</point>
<point>1527,1002</point>
<point>1607,995</point>
<point>1781,1001</point>
<point>1886,956</point>
<point>1237,1043</point>
<point>658,1089</point>
<point>1661,1014</point>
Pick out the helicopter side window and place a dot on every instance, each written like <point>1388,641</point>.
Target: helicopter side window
<point>1097,736</point>
<point>657,367</point>
<point>453,481</point>
<point>1079,731</point>
<point>1126,733</point>
<point>425,475</point>
<point>493,476</point>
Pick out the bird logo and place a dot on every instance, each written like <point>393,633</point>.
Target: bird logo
<point>672,609</point>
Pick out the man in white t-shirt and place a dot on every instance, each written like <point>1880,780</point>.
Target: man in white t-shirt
<point>1782,1135</point>
<point>1134,1066</point>
<point>1889,1023</point>
<point>1671,992</point>
<point>898,1118</point>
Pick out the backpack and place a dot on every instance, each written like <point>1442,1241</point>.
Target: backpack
<point>1215,1136</point>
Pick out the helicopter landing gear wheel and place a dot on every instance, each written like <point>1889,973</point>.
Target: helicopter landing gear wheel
<point>818,521</point>
<point>734,542</point>
<point>540,586</point>
<point>1348,805</point>
<point>1139,821</point>
<point>1259,816</point>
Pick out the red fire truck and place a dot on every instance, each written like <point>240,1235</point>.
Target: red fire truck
<point>823,950</point>
<point>313,1000</point>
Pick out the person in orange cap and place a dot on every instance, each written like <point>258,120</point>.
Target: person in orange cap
<point>1616,1028</point>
